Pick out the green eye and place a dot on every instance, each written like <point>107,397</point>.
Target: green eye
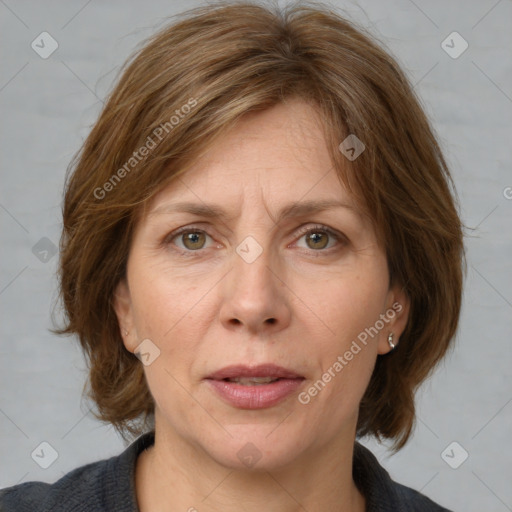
<point>321,238</point>
<point>317,239</point>
<point>193,240</point>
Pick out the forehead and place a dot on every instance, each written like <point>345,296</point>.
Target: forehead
<point>272,157</point>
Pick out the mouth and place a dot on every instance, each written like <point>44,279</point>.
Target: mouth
<point>252,381</point>
<point>256,387</point>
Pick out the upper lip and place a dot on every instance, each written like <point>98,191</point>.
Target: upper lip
<point>261,370</point>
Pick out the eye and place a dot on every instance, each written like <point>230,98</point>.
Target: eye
<point>318,237</point>
<point>190,238</point>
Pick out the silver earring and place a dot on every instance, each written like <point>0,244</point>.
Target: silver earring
<point>390,341</point>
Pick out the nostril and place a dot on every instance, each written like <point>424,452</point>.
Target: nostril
<point>271,320</point>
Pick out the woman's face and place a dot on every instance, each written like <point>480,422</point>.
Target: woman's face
<point>227,304</point>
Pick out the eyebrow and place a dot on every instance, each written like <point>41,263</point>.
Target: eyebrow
<point>294,209</point>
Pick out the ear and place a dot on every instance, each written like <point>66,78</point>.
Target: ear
<point>395,315</point>
<point>124,311</point>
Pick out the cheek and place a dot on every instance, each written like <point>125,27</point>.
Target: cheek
<point>163,299</point>
<point>348,304</point>
<point>344,362</point>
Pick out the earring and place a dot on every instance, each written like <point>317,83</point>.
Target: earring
<point>126,332</point>
<point>390,341</point>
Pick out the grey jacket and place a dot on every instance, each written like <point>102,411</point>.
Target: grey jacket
<point>109,486</point>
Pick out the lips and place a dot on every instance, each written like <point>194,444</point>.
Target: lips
<point>263,370</point>
<point>255,387</point>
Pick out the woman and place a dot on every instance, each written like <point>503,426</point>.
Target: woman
<point>262,259</point>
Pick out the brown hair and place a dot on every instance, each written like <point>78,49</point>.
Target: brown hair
<point>183,89</point>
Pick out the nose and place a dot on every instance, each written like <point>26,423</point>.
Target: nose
<point>255,296</point>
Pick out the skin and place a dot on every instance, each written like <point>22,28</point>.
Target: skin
<point>205,308</point>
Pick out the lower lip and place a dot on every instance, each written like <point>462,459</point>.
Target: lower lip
<point>260,396</point>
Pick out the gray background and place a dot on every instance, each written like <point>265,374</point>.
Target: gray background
<point>48,106</point>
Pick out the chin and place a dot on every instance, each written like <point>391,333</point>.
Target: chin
<point>256,447</point>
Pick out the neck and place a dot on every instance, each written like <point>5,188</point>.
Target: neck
<point>173,475</point>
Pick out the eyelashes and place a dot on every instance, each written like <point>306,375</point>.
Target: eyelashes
<point>309,231</point>
<point>335,240</point>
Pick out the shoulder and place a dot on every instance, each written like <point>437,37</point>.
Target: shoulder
<point>77,486</point>
<point>97,487</point>
<point>23,497</point>
<point>78,490</point>
<point>382,494</point>
<point>415,501</point>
